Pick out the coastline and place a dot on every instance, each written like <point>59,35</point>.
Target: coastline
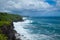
<point>7,31</point>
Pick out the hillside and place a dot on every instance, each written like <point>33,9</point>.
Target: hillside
<point>7,31</point>
<point>6,18</point>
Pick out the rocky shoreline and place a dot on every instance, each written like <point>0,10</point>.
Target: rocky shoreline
<point>10,32</point>
<point>7,31</point>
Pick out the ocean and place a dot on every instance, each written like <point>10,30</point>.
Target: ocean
<point>39,28</point>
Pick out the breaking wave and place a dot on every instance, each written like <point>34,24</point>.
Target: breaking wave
<point>26,29</point>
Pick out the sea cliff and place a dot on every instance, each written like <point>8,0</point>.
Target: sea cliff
<point>7,31</point>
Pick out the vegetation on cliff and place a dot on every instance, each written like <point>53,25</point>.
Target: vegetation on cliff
<point>3,37</point>
<point>7,19</point>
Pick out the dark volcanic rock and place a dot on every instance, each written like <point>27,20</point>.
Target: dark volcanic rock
<point>9,31</point>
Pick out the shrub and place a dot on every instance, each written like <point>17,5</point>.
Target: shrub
<point>3,37</point>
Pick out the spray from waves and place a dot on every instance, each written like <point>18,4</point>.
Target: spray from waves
<point>25,35</point>
<point>19,28</point>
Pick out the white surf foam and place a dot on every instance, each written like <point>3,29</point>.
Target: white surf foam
<point>25,35</point>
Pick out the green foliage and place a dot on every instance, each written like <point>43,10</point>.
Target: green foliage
<point>0,31</point>
<point>6,18</point>
<point>4,23</point>
<point>3,37</point>
<point>9,17</point>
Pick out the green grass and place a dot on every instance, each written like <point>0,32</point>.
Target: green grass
<point>6,18</point>
<point>3,37</point>
<point>9,17</point>
<point>5,23</point>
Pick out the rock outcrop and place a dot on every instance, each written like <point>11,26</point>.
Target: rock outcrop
<point>9,32</point>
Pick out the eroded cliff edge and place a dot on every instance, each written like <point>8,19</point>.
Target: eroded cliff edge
<point>7,31</point>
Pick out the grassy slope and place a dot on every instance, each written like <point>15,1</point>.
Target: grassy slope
<point>6,19</point>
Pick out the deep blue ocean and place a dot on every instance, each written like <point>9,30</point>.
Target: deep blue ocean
<point>39,28</point>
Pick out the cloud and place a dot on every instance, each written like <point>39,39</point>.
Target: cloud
<point>38,7</point>
<point>58,4</point>
<point>27,4</point>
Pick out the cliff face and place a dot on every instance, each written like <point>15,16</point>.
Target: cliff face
<point>9,32</point>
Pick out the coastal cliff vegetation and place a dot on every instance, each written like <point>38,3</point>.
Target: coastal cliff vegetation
<point>6,25</point>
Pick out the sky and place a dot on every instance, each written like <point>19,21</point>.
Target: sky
<point>31,7</point>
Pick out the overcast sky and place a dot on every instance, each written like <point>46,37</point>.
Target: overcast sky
<point>31,7</point>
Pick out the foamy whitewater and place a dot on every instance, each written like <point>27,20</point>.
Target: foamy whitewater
<point>37,29</point>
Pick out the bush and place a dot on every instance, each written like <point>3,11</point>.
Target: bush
<point>3,37</point>
<point>4,23</point>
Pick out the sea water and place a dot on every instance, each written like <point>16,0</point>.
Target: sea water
<point>39,28</point>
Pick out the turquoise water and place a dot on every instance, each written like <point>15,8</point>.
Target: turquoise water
<point>40,28</point>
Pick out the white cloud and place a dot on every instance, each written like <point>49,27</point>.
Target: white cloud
<point>27,4</point>
<point>58,3</point>
<point>35,5</point>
